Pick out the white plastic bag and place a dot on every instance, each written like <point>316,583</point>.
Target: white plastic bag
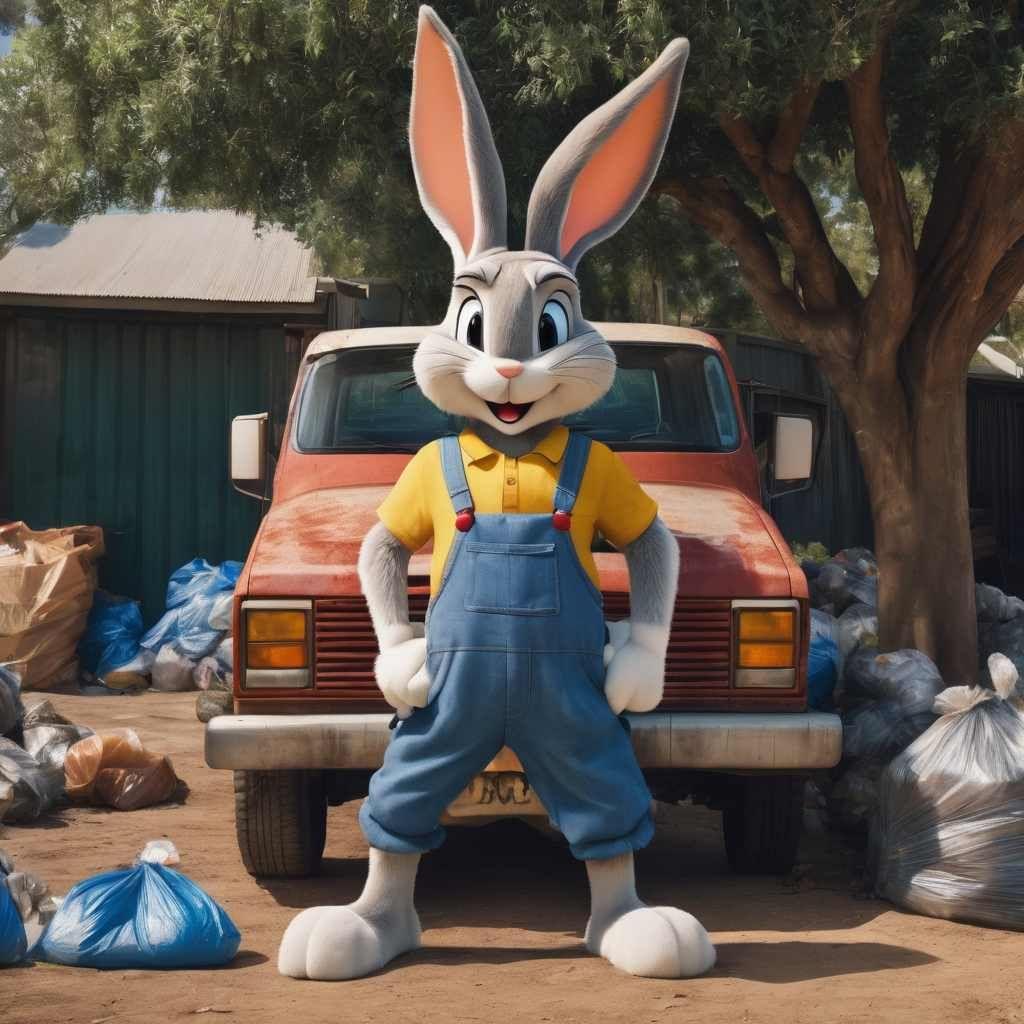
<point>220,612</point>
<point>159,851</point>
<point>172,672</point>
<point>948,837</point>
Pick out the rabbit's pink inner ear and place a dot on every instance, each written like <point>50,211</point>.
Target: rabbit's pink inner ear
<point>438,137</point>
<point>612,175</point>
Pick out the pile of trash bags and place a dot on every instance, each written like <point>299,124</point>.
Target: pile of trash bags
<point>44,758</point>
<point>148,916</point>
<point>189,648</point>
<point>884,699</point>
<point>948,836</point>
<point>47,579</point>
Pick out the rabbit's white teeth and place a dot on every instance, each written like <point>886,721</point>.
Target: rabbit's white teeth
<point>509,412</point>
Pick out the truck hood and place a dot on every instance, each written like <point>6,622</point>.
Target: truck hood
<point>309,545</point>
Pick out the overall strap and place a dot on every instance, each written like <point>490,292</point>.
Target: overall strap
<point>574,465</point>
<point>455,473</point>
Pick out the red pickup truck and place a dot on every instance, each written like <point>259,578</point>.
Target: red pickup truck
<point>733,731</point>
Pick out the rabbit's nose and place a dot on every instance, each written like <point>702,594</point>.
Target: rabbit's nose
<point>509,369</point>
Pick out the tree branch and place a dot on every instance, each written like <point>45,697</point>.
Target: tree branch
<point>1005,282</point>
<point>887,311</point>
<point>825,281</point>
<point>713,205</point>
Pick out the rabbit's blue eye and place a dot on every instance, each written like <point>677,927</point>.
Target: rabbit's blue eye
<point>553,326</point>
<point>470,327</point>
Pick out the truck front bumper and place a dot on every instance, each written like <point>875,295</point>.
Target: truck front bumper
<point>708,741</point>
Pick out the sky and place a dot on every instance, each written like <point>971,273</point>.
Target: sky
<point>5,44</point>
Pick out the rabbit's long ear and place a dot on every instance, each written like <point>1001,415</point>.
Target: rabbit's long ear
<point>596,178</point>
<point>459,175</point>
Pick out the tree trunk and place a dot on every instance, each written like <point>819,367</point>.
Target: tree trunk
<point>918,484</point>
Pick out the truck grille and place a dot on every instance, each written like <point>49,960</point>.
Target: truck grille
<point>700,645</point>
<point>698,652</point>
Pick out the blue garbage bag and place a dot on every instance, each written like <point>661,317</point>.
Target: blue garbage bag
<point>112,633</point>
<point>148,916</point>
<point>199,577</point>
<point>192,596</point>
<point>822,660</point>
<point>13,942</point>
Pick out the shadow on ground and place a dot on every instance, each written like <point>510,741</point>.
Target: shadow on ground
<point>510,875</point>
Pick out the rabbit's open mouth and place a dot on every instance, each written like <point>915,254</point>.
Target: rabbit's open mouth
<point>509,412</point>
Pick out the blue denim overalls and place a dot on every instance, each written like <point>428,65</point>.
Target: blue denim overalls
<point>515,641</point>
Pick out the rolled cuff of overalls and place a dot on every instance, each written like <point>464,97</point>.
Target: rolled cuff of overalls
<point>602,849</point>
<point>393,842</point>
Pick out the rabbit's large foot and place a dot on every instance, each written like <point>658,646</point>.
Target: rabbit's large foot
<point>650,942</point>
<point>653,942</point>
<point>340,943</point>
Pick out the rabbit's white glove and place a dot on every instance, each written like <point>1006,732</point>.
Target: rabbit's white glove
<point>401,667</point>
<point>635,668</point>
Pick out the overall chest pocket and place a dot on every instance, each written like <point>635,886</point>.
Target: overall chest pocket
<point>514,579</point>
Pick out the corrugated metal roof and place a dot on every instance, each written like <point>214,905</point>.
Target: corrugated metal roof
<point>199,255</point>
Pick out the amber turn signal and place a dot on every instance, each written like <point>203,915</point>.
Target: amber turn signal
<point>270,626</point>
<point>755,655</point>
<point>288,655</point>
<point>774,626</point>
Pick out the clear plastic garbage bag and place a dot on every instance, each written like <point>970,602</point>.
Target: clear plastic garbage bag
<point>37,787</point>
<point>114,769</point>
<point>849,577</point>
<point>948,836</point>
<point>907,678</point>
<point>48,735</point>
<point>857,627</point>
<point>148,916</point>
<point>172,672</point>
<point>225,653</point>
<point>11,708</point>
<point>992,605</point>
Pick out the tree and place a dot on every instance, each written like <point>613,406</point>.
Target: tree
<point>296,110</point>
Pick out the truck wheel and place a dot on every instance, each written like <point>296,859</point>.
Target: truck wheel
<point>281,822</point>
<point>762,825</point>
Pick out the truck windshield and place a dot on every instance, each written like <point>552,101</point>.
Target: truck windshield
<point>665,398</point>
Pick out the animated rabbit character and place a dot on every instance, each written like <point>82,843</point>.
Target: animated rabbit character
<point>514,652</point>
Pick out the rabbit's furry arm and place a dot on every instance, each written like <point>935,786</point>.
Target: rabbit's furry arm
<point>384,576</point>
<point>653,560</point>
<point>635,677</point>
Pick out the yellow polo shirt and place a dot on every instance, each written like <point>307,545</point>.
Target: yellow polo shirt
<point>609,500</point>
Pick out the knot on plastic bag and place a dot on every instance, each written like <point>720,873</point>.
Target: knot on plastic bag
<point>956,699</point>
<point>159,851</point>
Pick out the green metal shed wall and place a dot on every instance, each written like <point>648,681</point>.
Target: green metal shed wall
<point>122,420</point>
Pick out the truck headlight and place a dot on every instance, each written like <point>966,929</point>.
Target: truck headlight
<point>277,644</point>
<point>767,639</point>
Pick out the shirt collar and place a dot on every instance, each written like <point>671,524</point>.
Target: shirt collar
<point>552,446</point>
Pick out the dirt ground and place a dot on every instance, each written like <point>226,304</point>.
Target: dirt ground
<point>503,910</point>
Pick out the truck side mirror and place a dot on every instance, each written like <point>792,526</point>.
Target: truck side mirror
<point>249,454</point>
<point>792,454</point>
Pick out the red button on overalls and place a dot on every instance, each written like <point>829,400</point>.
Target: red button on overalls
<point>464,520</point>
<point>562,520</point>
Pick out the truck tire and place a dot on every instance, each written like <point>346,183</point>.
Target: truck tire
<point>762,825</point>
<point>281,822</point>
